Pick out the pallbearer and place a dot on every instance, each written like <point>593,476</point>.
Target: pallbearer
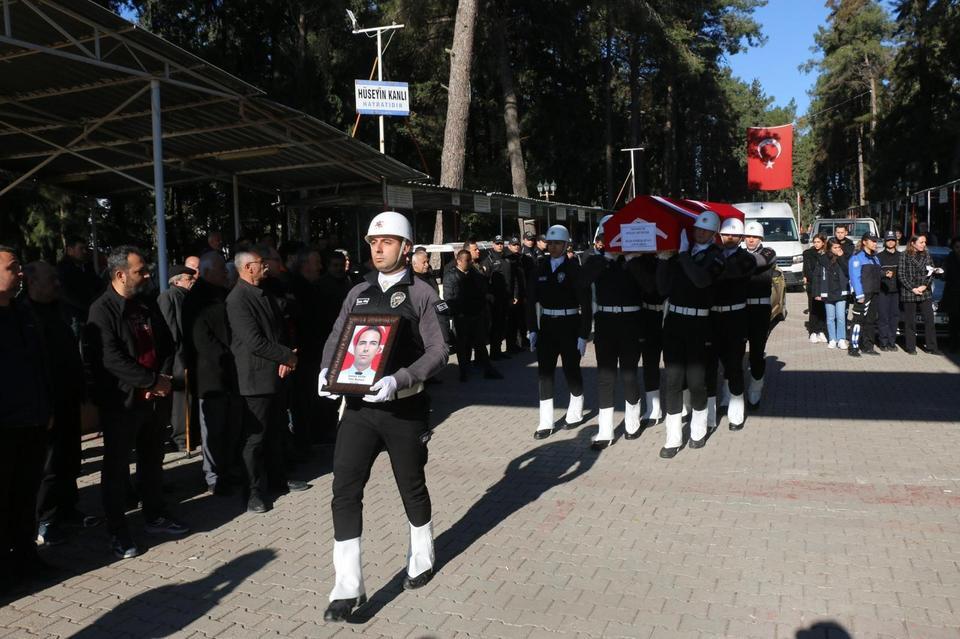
<point>559,314</point>
<point>759,288</point>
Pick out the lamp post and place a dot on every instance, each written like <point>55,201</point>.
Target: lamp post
<point>379,34</point>
<point>546,189</point>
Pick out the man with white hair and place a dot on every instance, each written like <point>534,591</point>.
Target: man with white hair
<point>180,280</point>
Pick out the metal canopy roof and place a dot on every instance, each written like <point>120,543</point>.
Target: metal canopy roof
<point>75,110</point>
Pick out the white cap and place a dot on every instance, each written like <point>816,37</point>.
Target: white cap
<point>599,233</point>
<point>731,226</point>
<point>708,221</point>
<point>390,223</point>
<point>754,229</point>
<point>558,233</point>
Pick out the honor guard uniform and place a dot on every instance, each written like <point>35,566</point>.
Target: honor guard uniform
<point>559,314</point>
<point>651,328</point>
<point>728,317</point>
<point>759,288</point>
<point>687,280</point>
<point>617,335</point>
<point>392,418</point>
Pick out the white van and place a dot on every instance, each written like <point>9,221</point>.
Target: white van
<point>779,233</point>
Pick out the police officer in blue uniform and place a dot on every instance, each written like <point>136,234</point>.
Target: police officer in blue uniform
<point>392,417</point>
<point>864,269</point>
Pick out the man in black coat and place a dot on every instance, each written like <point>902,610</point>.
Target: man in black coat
<point>503,288</point>
<point>170,302</point>
<point>262,360</point>
<point>78,281</point>
<point>24,416</point>
<point>520,265</point>
<point>464,291</point>
<point>306,409</point>
<point>130,353</point>
<point>213,372</point>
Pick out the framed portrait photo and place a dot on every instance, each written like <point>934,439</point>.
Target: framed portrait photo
<point>363,351</point>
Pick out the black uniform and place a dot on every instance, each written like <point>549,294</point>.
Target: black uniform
<point>503,288</point>
<point>565,314</point>
<point>617,325</point>
<point>465,296</point>
<point>516,324</point>
<point>888,298</point>
<point>728,319</point>
<point>687,280</point>
<point>816,314</point>
<point>651,319</point>
<point>398,426</point>
<point>759,288</point>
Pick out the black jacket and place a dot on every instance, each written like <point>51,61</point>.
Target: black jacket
<point>564,288</point>
<point>832,283</point>
<point>24,401</point>
<point>258,339</point>
<point>499,270</point>
<point>888,262</point>
<point>464,292</point>
<point>207,340</point>
<point>64,367</point>
<point>80,286</point>
<point>811,266</point>
<point>111,350</point>
<point>688,279</point>
<point>170,303</point>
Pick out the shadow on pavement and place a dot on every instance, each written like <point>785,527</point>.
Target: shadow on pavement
<point>824,630</point>
<point>525,479</point>
<point>166,610</point>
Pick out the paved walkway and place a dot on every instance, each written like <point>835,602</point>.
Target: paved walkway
<point>834,513</point>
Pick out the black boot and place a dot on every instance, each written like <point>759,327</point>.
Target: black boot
<point>341,609</point>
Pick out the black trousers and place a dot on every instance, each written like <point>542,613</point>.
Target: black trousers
<point>816,314</point>
<point>516,326</point>
<point>758,330</point>
<point>264,431</point>
<point>311,418</point>
<point>651,348</point>
<point>140,427</point>
<point>58,494</point>
<point>470,338</point>
<point>685,360</point>
<point>863,325</point>
<point>910,310</point>
<point>498,323</point>
<point>888,315</point>
<point>557,337</point>
<point>220,430</point>
<point>399,427</point>
<point>19,478</point>
<point>617,342</point>
<point>727,346</point>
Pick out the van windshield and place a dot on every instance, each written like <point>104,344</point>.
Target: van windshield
<point>778,229</point>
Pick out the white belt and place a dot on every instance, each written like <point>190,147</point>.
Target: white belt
<point>559,312</point>
<point>757,301</point>
<point>684,310</point>
<point>618,309</point>
<point>410,392</point>
<point>653,307</point>
<point>727,309</point>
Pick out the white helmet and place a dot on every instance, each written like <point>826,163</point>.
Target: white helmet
<point>754,229</point>
<point>390,223</point>
<point>708,221</point>
<point>731,226</point>
<point>558,233</point>
<point>599,232</point>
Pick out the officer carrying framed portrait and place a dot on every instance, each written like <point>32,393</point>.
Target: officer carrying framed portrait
<point>363,351</point>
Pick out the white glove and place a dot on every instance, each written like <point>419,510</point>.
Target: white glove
<point>684,242</point>
<point>386,390</point>
<point>931,270</point>
<point>532,337</point>
<point>581,346</point>
<point>321,382</point>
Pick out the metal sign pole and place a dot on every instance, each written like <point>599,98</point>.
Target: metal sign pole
<point>159,202</point>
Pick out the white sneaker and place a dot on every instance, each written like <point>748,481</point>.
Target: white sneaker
<point>822,337</point>
<point>813,338</point>
<point>842,344</point>
<point>832,344</point>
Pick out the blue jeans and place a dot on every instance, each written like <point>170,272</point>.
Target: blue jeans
<point>836,320</point>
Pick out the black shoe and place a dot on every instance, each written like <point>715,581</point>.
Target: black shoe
<point>165,526</point>
<point>935,351</point>
<point>631,436</point>
<point>870,351</point>
<point>492,374</point>
<point>600,444</point>
<point>341,609</point>
<point>854,353</point>
<point>697,443</point>
<point>123,546</point>
<point>736,427</point>
<point>910,351</point>
<point>421,580</point>
<point>256,504</point>
<point>296,485</point>
<point>649,421</point>
<point>50,534</point>
<point>542,433</point>
<point>669,453</point>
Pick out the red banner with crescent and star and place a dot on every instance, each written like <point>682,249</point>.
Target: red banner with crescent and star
<point>770,158</point>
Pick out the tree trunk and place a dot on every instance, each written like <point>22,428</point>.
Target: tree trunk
<point>452,159</point>
<point>608,109</point>
<point>863,195</point>
<point>635,115</point>
<point>511,118</point>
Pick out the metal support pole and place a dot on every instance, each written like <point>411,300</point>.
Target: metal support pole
<point>236,209</point>
<point>501,218</point>
<point>159,203</point>
<point>380,79</point>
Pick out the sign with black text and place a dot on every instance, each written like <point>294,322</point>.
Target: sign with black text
<point>382,98</point>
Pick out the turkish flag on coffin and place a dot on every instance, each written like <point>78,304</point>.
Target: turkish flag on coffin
<point>670,215</point>
<point>770,158</point>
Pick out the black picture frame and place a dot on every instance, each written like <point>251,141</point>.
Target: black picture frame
<point>349,379</point>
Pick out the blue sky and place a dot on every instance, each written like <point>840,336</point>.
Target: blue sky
<point>789,26</point>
